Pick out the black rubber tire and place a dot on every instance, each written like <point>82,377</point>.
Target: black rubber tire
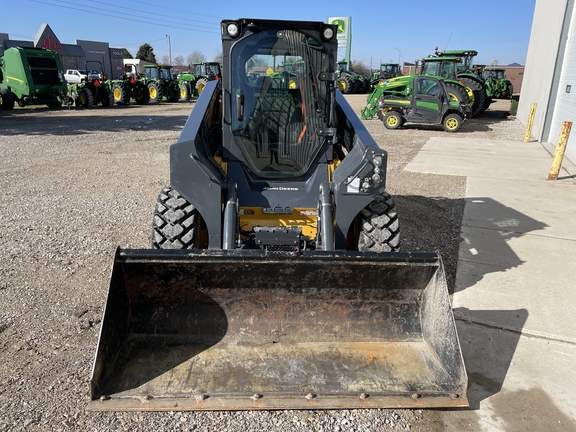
<point>365,86</point>
<point>120,94</point>
<point>379,228</point>
<point>200,84</point>
<point>452,123</point>
<point>342,85</point>
<point>458,92</point>
<point>393,120</point>
<point>175,223</point>
<point>141,94</point>
<point>350,85</point>
<point>7,99</point>
<point>85,98</point>
<point>479,94</point>
<point>108,99</point>
<point>156,92</point>
<point>185,91</point>
<point>509,90</point>
<point>173,93</point>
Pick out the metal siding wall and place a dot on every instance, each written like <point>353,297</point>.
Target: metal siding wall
<point>541,60</point>
<point>565,107</point>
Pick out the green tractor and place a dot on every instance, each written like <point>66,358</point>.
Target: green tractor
<point>31,76</point>
<point>424,100</point>
<point>351,82</point>
<point>160,83</point>
<point>497,82</point>
<point>93,91</point>
<point>193,81</point>
<point>467,73</point>
<point>129,86</point>
<point>387,71</point>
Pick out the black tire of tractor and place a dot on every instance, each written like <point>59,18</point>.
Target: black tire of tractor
<point>108,99</point>
<point>200,84</point>
<point>379,228</point>
<point>393,120</point>
<point>142,95</point>
<point>156,92</point>
<point>342,85</point>
<point>350,85</point>
<point>85,98</point>
<point>509,90</point>
<point>173,95</point>
<point>185,91</point>
<point>365,86</point>
<point>175,224</point>
<point>479,94</point>
<point>7,99</point>
<point>120,94</point>
<point>458,92</point>
<point>452,123</point>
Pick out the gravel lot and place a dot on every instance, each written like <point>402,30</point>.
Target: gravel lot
<point>79,183</point>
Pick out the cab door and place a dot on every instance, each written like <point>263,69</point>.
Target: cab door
<point>427,101</point>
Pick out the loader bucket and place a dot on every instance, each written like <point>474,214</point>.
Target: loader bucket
<point>239,330</point>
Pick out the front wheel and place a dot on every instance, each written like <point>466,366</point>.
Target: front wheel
<point>393,120</point>
<point>156,92</point>
<point>85,98</point>
<point>200,84</point>
<point>379,228</point>
<point>185,91</point>
<point>452,123</point>
<point>176,222</point>
<point>6,99</point>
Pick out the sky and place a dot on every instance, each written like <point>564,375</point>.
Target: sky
<point>381,32</point>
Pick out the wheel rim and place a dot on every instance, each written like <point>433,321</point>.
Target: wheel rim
<point>82,98</point>
<point>182,93</point>
<point>292,84</point>
<point>470,93</point>
<point>392,121</point>
<point>200,88</point>
<point>153,93</point>
<point>452,123</point>
<point>117,94</point>
<point>341,85</point>
<point>453,97</point>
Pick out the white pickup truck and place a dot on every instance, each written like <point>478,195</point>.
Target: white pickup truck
<point>74,76</point>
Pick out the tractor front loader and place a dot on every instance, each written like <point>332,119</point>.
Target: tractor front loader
<point>275,279</point>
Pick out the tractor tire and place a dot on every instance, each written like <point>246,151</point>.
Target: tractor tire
<point>156,92</point>
<point>509,90</point>
<point>108,99</point>
<point>452,123</point>
<point>379,230</point>
<point>457,93</point>
<point>200,84</point>
<point>141,94</point>
<point>6,99</point>
<point>365,86</point>
<point>120,94</point>
<point>293,83</point>
<point>479,94</point>
<point>393,120</point>
<point>185,91</point>
<point>85,98</point>
<point>176,222</point>
<point>173,95</point>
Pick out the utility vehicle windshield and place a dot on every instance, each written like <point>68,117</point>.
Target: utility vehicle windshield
<point>278,103</point>
<point>444,69</point>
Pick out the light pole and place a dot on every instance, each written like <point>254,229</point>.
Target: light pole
<point>169,49</point>
<point>399,54</point>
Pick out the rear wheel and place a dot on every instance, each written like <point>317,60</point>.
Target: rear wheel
<point>479,94</point>
<point>509,90</point>
<point>85,98</point>
<point>452,123</point>
<point>156,92</point>
<point>200,84</point>
<point>393,120</point>
<point>176,222</point>
<point>379,229</point>
<point>457,93</point>
<point>108,99</point>
<point>185,91</point>
<point>174,93</point>
<point>120,94</point>
<point>141,94</point>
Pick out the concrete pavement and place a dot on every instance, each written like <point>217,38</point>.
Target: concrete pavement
<point>515,294</point>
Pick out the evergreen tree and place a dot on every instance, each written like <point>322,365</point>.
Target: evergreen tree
<point>146,52</point>
<point>127,54</point>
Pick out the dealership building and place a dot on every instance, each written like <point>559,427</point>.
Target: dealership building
<point>73,56</point>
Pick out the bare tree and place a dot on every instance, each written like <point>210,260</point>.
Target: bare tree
<point>360,67</point>
<point>218,56</point>
<point>196,56</point>
<point>165,60</point>
<point>178,60</point>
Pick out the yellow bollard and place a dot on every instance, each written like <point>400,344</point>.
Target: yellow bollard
<point>530,123</point>
<point>560,149</point>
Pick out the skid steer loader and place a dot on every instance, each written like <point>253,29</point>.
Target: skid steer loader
<point>275,279</point>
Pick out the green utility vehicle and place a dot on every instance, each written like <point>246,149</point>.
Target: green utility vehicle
<point>128,87</point>
<point>496,81</point>
<point>96,89</point>
<point>160,83</point>
<point>193,82</point>
<point>32,76</point>
<point>425,100</point>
